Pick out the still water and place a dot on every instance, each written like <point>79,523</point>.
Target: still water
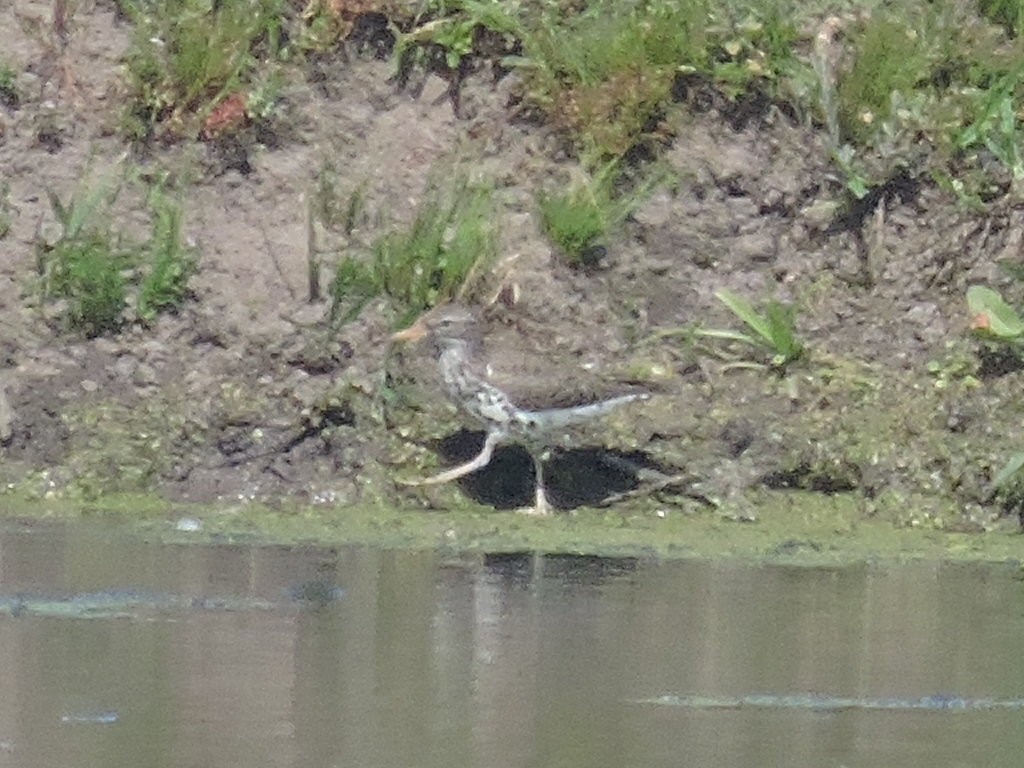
<point>119,652</point>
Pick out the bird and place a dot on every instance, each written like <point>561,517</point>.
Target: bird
<point>455,334</point>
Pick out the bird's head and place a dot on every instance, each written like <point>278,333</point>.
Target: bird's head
<point>447,326</point>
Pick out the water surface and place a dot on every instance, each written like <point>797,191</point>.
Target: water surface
<point>434,659</point>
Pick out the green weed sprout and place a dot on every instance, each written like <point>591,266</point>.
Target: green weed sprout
<point>774,329</point>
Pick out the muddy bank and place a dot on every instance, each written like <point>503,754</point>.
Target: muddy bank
<point>247,394</point>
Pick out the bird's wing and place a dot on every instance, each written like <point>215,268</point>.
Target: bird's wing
<point>544,386</point>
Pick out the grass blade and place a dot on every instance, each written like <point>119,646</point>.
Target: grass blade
<point>745,311</point>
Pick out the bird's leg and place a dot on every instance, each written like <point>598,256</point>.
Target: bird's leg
<point>540,507</point>
<point>481,460</point>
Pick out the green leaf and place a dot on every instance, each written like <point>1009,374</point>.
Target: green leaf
<point>1003,321</point>
<point>1011,468</point>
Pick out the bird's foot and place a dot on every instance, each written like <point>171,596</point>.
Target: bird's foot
<point>541,507</point>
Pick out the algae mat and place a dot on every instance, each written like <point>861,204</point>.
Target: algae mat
<point>806,529</point>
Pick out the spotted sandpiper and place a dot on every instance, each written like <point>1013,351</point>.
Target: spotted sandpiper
<point>455,334</point>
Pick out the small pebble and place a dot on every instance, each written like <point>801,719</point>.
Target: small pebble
<point>188,525</point>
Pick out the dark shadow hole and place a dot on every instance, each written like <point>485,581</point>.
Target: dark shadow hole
<point>372,33</point>
<point>997,362</point>
<point>805,477</point>
<point>749,108</point>
<point>901,185</point>
<point>573,478</point>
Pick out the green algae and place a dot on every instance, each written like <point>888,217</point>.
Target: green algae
<point>793,527</point>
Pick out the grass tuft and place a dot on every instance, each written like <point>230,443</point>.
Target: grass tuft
<point>930,88</point>
<point>10,94</point>
<point>87,272</point>
<point>84,267</point>
<point>575,221</point>
<point>168,263</point>
<point>578,219</point>
<point>607,73</point>
<point>6,209</point>
<point>188,57</point>
<point>1007,13</point>
<point>417,268</point>
<point>97,276</point>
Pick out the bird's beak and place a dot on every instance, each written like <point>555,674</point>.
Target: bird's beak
<point>414,332</point>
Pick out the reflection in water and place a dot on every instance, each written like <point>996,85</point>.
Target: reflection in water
<point>505,660</point>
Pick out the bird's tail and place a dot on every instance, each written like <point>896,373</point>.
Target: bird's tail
<point>566,417</point>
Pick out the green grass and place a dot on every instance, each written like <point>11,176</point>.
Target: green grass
<point>167,262</point>
<point>5,209</point>
<point>575,221</point>
<point>10,95</point>
<point>927,87</point>
<point>772,330</point>
<point>85,267</point>
<point>444,39</point>
<point>100,279</point>
<point>188,56</point>
<point>1008,13</point>
<point>604,71</point>
<point>996,127</point>
<point>88,273</point>
<point>888,60</point>
<point>578,219</point>
<point>605,74</point>
<point>449,241</point>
